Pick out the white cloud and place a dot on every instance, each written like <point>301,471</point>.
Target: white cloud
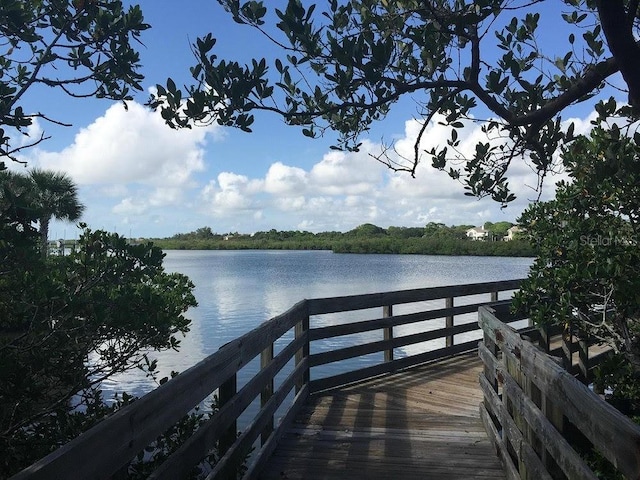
<point>128,206</point>
<point>142,203</point>
<point>163,196</point>
<point>306,225</point>
<point>231,194</point>
<point>344,189</point>
<point>153,178</point>
<point>348,173</point>
<point>131,146</point>
<point>582,126</point>
<point>291,204</point>
<point>434,184</point>
<point>283,179</point>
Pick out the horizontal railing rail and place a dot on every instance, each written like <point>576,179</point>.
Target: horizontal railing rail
<point>111,444</point>
<point>542,418</point>
<point>388,324</point>
<point>576,351</point>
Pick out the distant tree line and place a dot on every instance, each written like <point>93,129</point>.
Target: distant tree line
<point>432,239</point>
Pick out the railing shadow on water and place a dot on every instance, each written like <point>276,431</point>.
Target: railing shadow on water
<point>539,410</point>
<point>316,345</point>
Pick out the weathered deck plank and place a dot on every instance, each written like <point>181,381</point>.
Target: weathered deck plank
<point>422,423</point>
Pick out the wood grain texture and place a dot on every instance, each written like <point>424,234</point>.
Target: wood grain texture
<point>614,435</point>
<point>421,423</point>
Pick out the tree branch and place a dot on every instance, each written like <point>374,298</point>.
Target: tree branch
<point>619,34</point>
<point>592,77</point>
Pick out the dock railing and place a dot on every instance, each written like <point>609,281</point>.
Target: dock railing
<point>539,410</point>
<point>285,346</point>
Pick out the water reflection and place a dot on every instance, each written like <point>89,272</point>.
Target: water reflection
<point>237,290</point>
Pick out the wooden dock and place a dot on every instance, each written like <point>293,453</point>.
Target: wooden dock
<point>421,423</point>
<point>443,413</point>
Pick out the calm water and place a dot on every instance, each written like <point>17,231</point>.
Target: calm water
<point>237,290</point>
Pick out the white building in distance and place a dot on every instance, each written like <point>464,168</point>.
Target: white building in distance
<point>478,233</point>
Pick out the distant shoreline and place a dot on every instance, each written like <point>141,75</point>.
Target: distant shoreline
<point>492,239</point>
<point>412,246</point>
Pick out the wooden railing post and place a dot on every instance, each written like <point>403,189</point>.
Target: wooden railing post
<point>567,348</point>
<point>225,393</point>
<point>301,329</point>
<point>583,358</point>
<point>489,373</point>
<point>545,339</point>
<point>494,296</point>
<point>513,369</point>
<point>266,356</point>
<point>387,311</point>
<point>538,399</point>
<point>448,303</point>
<point>556,417</point>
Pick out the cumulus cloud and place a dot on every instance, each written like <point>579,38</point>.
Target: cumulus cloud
<point>348,173</point>
<point>128,163</point>
<point>291,204</point>
<point>344,189</point>
<point>230,194</point>
<point>131,145</point>
<point>129,206</point>
<point>169,181</point>
<point>283,179</point>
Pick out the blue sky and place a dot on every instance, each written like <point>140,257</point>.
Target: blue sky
<point>140,178</point>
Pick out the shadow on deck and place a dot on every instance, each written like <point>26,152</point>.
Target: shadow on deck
<point>421,423</point>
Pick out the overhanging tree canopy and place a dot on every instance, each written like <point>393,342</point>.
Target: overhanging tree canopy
<point>344,64</point>
<point>82,47</point>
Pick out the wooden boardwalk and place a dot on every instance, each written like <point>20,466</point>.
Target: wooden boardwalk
<point>422,423</point>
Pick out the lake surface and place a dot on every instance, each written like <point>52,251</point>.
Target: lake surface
<point>237,290</point>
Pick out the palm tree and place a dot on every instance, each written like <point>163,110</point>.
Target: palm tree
<point>15,199</point>
<point>54,195</point>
